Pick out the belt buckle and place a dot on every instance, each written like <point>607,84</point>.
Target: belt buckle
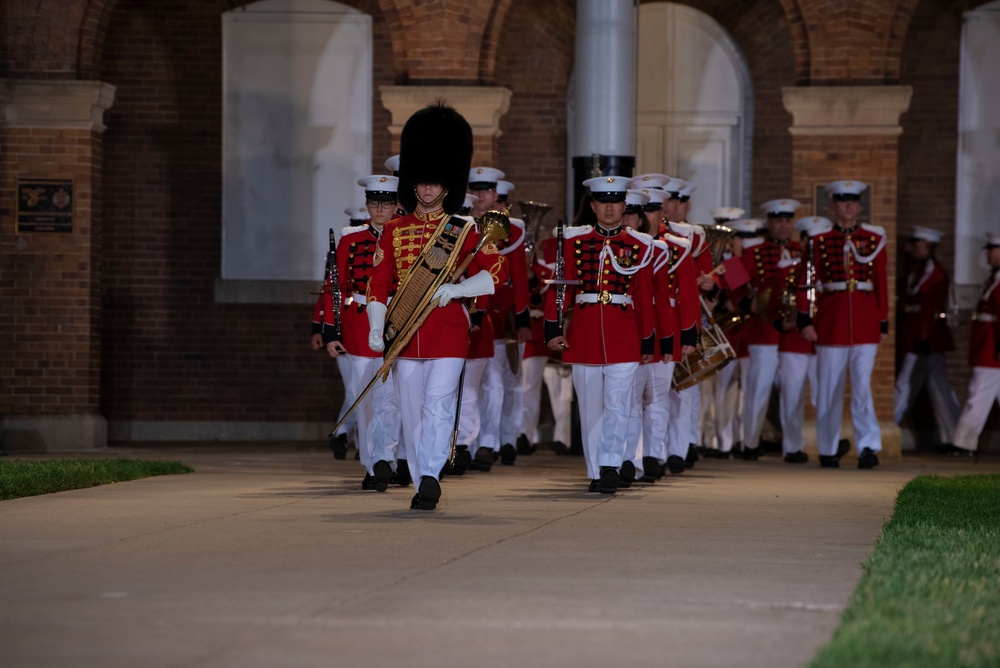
<point>604,297</point>
<point>852,284</point>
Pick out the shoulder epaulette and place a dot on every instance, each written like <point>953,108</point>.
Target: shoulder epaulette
<point>750,243</point>
<point>570,232</point>
<point>354,229</point>
<point>641,236</point>
<point>817,230</point>
<point>874,229</point>
<point>680,241</point>
<point>788,262</point>
<point>517,222</point>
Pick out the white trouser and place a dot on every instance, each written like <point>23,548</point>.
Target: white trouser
<point>793,372</point>
<point>491,403</point>
<point>929,370</point>
<point>744,365</point>
<point>679,427</point>
<point>428,392</point>
<point>757,392</point>
<point>350,394</point>
<point>984,389</point>
<point>559,384</point>
<point>695,436</point>
<point>833,363</point>
<point>727,406</point>
<point>378,413</point>
<point>531,395</point>
<point>605,395</point>
<point>647,425</point>
<point>512,411</point>
<point>469,421</point>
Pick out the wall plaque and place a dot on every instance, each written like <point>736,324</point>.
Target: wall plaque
<point>44,205</point>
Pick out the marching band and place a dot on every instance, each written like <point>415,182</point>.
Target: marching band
<point>455,314</point>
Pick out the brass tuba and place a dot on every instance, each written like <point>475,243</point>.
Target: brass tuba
<point>532,214</point>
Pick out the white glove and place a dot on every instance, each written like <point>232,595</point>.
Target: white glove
<point>475,286</point>
<point>376,321</point>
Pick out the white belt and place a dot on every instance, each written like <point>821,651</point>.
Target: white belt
<point>911,308</point>
<point>535,313</point>
<point>984,317</point>
<point>850,286</point>
<point>673,302</point>
<point>603,298</point>
<point>361,299</point>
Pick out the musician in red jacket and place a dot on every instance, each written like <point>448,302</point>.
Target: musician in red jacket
<point>612,328</point>
<point>925,336</point>
<point>796,355</point>
<point>500,405</point>
<point>760,258</point>
<point>435,155</point>
<point>984,355</point>
<point>378,412</point>
<point>851,317</point>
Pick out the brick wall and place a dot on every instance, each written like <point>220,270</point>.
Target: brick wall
<point>49,329</point>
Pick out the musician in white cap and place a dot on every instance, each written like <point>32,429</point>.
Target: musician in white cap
<point>760,258</point>
<point>612,327</point>
<point>504,188</point>
<point>796,355</point>
<point>338,441</point>
<point>984,355</point>
<point>924,334</point>
<point>849,318</point>
<point>501,405</point>
<point>378,412</point>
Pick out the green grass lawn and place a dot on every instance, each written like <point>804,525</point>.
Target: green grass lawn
<point>930,594</point>
<point>22,477</point>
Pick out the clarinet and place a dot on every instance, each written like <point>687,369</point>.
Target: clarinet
<point>810,277</point>
<point>560,274</point>
<point>333,279</point>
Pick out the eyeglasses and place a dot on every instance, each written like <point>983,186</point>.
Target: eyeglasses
<point>382,205</point>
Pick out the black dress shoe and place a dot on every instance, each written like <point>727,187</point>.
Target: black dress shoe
<point>796,458</point>
<point>595,486</point>
<point>652,468</point>
<point>339,445</point>
<point>723,454</point>
<point>949,449</point>
<point>463,459</point>
<point>867,459</point>
<point>524,446</point>
<point>770,446</point>
<point>675,464</point>
<point>403,477</point>
<point>508,454</point>
<point>559,448</point>
<point>609,481</point>
<point>483,461</point>
<point>833,461</point>
<point>368,483</point>
<point>427,495</point>
<point>692,456</point>
<point>627,475</point>
<point>383,472</point>
<point>751,454</point>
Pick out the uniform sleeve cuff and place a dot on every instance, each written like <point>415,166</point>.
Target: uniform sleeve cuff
<point>552,330</point>
<point>316,328</point>
<point>778,324</point>
<point>689,336</point>
<point>802,320</point>
<point>711,294</point>
<point>667,345</point>
<point>884,327</point>
<point>744,306</point>
<point>523,319</point>
<point>331,334</point>
<point>648,346</point>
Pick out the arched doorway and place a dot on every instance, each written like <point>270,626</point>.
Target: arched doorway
<point>694,105</point>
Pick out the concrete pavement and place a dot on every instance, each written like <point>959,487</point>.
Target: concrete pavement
<point>271,555</point>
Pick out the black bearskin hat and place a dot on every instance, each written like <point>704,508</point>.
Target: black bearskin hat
<point>435,147</point>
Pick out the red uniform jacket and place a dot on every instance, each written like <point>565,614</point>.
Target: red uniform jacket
<point>924,306</point>
<point>852,304</point>
<point>614,267</point>
<point>544,267</point>
<point>984,340</point>
<point>788,276</point>
<point>445,333</point>
<point>513,294</point>
<point>675,285</point>
<point>760,258</point>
